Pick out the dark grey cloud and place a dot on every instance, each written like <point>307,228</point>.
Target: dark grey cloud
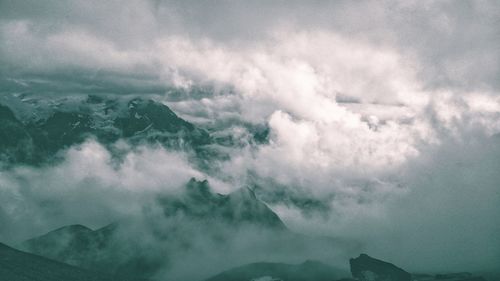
<point>455,42</point>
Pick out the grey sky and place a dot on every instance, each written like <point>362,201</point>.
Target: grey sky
<point>391,106</point>
<point>455,42</point>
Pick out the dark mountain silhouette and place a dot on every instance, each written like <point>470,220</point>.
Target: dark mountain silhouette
<point>147,119</point>
<point>75,244</point>
<point>366,268</point>
<point>16,265</point>
<point>236,208</point>
<point>307,271</point>
<point>363,268</point>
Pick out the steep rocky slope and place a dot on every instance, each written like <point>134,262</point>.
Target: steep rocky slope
<point>37,136</point>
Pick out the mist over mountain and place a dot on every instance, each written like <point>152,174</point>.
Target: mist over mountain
<point>148,138</point>
<point>187,227</point>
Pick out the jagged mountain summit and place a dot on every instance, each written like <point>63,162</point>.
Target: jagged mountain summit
<point>237,208</point>
<point>363,268</point>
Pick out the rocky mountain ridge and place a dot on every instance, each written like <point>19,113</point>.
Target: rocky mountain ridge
<point>113,247</point>
<point>34,138</point>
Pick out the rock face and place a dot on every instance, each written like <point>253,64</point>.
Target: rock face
<point>155,122</point>
<point>138,121</point>
<point>366,268</point>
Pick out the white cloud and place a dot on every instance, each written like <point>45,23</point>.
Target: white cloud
<point>90,188</point>
<point>354,94</point>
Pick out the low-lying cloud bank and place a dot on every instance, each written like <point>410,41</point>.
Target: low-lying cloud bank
<point>89,187</point>
<point>387,113</point>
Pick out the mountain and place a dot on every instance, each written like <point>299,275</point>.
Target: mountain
<point>175,224</point>
<point>237,208</point>
<point>75,244</point>
<point>154,121</point>
<point>103,249</point>
<point>264,271</point>
<point>32,133</point>
<point>118,248</point>
<point>366,268</point>
<point>363,268</point>
<point>16,265</point>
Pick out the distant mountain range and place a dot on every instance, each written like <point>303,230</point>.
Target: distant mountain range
<point>16,265</point>
<point>33,130</point>
<point>38,137</point>
<point>113,250</point>
<point>363,268</point>
<point>184,219</point>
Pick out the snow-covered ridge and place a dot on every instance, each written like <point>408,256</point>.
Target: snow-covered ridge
<point>49,125</point>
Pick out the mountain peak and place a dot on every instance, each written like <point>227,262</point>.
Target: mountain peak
<point>238,207</point>
<point>55,125</point>
<point>366,268</point>
<point>199,190</point>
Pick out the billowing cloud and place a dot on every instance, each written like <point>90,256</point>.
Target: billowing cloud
<point>90,187</point>
<point>454,43</point>
<point>386,112</point>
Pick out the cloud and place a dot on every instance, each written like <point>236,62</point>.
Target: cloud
<point>433,213</point>
<point>370,106</point>
<point>454,43</point>
<point>90,187</point>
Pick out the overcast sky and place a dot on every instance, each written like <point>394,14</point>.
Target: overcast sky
<point>449,44</point>
<point>392,106</point>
